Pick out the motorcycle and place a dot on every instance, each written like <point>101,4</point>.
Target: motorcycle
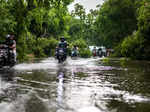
<point>61,55</point>
<point>74,53</point>
<point>7,57</point>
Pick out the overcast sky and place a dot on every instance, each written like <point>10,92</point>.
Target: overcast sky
<point>88,4</point>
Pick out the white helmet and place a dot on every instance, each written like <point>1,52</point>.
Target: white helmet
<point>8,36</point>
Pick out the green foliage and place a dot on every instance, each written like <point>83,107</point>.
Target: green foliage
<point>7,21</point>
<point>116,20</point>
<point>80,43</point>
<point>125,26</point>
<point>44,45</point>
<point>79,11</point>
<point>132,46</point>
<point>143,20</point>
<point>85,53</point>
<point>82,25</point>
<point>22,47</point>
<point>35,23</point>
<point>117,50</point>
<point>83,48</point>
<point>31,42</point>
<point>38,24</point>
<point>75,29</point>
<point>39,47</point>
<point>137,45</point>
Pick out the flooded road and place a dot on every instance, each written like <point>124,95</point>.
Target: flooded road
<point>81,85</point>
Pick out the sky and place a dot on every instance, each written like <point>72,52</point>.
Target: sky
<point>88,4</point>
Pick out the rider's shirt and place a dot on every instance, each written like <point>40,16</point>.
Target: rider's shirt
<point>63,45</point>
<point>12,44</point>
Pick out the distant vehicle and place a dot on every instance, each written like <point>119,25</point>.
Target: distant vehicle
<point>103,51</point>
<point>75,52</point>
<point>100,50</point>
<point>92,47</point>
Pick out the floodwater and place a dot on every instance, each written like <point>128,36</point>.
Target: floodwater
<point>79,85</point>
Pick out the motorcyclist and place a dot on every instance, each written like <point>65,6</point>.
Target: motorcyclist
<point>74,51</point>
<point>63,44</point>
<point>11,43</point>
<point>100,52</point>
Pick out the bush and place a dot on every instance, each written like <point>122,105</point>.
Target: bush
<point>22,47</point>
<point>80,43</point>
<point>29,44</point>
<point>50,48</point>
<point>85,53</point>
<point>117,52</point>
<point>45,46</point>
<point>132,46</point>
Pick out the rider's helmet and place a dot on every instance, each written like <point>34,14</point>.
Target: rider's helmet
<point>75,46</point>
<point>62,39</point>
<point>8,36</point>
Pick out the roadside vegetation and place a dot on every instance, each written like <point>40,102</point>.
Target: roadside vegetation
<point>123,25</point>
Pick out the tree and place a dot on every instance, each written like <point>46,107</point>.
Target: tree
<point>116,20</point>
<point>33,19</point>
<point>7,21</point>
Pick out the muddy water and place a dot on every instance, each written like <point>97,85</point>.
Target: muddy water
<point>80,85</point>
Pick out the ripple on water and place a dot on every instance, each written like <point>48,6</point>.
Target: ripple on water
<point>49,63</point>
<point>81,87</point>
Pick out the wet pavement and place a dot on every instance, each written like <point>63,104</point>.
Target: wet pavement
<point>78,85</point>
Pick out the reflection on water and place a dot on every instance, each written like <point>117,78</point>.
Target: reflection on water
<point>60,88</point>
<point>82,85</point>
